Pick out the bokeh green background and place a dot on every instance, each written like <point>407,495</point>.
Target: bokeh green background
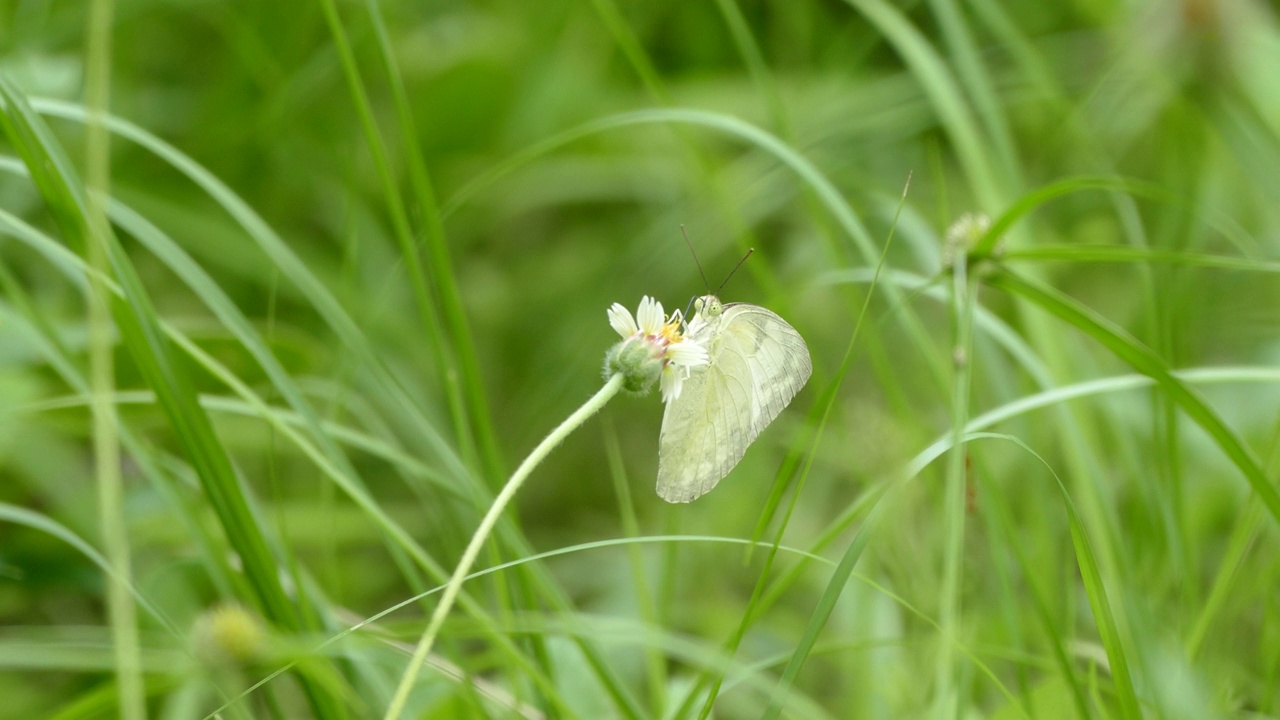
<point>540,166</point>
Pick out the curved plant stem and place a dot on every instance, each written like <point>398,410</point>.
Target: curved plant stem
<point>573,422</point>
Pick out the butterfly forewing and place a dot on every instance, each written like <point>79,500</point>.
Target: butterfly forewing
<point>758,364</point>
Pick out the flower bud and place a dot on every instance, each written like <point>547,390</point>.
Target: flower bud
<point>638,362</point>
<point>229,634</point>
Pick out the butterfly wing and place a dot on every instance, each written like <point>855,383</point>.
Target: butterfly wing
<point>758,363</point>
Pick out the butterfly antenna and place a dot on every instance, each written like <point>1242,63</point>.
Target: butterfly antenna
<point>735,269</point>
<point>695,258</point>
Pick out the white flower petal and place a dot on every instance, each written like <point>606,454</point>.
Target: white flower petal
<point>621,320</point>
<point>650,316</point>
<point>687,354</point>
<point>671,383</point>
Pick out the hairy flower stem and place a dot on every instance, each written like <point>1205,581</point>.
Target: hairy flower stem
<point>573,422</point>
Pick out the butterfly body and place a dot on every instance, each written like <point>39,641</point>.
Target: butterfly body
<point>757,364</point>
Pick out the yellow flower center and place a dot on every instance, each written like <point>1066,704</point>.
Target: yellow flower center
<point>670,332</point>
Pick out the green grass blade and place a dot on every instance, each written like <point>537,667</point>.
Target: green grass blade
<point>290,266</point>
<point>443,352</point>
<point>1038,197</point>
<point>332,466</point>
<point>632,49</point>
<point>42,335</point>
<point>1091,575</point>
<point>977,84</point>
<point>1126,254</point>
<point>1242,539</point>
<point>822,611</point>
<point>49,526</point>
<point>440,265</point>
<point>821,414</point>
<point>947,97</point>
<point>140,332</point>
<point>655,664</point>
<point>1142,359</point>
<point>1006,535</point>
<point>1128,188</point>
<point>752,57</point>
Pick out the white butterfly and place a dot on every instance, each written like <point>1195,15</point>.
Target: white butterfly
<point>757,364</point>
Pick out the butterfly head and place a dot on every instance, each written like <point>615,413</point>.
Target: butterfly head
<point>708,306</point>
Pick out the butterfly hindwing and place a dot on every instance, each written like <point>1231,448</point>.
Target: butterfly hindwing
<point>702,429</point>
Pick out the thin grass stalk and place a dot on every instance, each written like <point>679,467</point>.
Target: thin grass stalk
<point>818,620</point>
<point>978,85</point>
<point>947,693</point>
<point>439,265</point>
<point>291,267</point>
<point>520,590</point>
<point>944,94</point>
<point>1005,538</point>
<point>632,49</point>
<point>1244,536</point>
<point>561,708</point>
<point>737,227</point>
<point>443,352</point>
<point>121,611</point>
<point>1099,603</point>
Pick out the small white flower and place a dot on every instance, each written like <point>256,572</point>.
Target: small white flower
<point>652,348</point>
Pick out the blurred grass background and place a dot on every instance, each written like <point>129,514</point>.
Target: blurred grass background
<point>360,258</point>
